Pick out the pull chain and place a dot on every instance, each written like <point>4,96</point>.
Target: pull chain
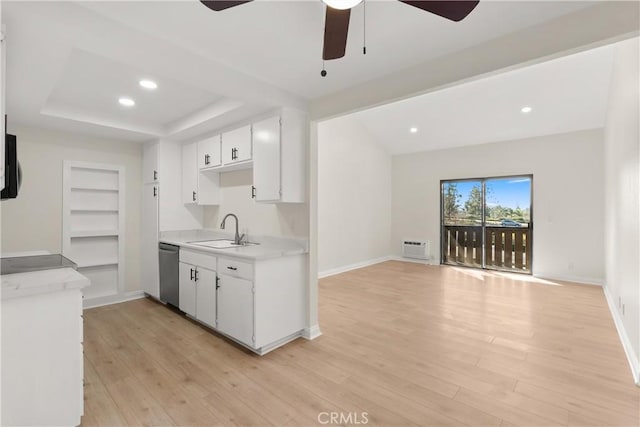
<point>323,73</point>
<point>364,27</point>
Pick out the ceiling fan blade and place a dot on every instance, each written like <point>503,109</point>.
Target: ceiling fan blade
<point>219,5</point>
<point>336,27</point>
<point>455,10</point>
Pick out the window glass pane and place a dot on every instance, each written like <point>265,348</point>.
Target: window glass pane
<point>462,202</point>
<point>508,202</point>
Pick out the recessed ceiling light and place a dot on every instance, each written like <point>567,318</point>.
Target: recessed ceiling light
<point>413,130</point>
<point>148,84</point>
<point>526,109</point>
<point>127,102</point>
<point>341,4</point>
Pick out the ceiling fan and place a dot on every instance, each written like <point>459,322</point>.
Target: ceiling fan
<point>338,13</point>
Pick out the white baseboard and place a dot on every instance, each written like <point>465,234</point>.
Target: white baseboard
<point>311,333</point>
<point>632,358</point>
<point>345,268</point>
<point>112,299</point>
<point>573,279</point>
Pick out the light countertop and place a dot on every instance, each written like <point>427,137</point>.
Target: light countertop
<point>267,247</point>
<point>40,282</point>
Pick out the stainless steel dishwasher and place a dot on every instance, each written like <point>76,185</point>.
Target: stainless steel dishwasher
<point>169,282</point>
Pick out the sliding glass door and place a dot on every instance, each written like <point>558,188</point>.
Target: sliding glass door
<point>486,223</point>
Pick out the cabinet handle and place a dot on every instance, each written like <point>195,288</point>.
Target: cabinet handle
<point>217,282</point>
<point>232,268</point>
<point>253,192</point>
<point>206,159</point>
<point>191,273</point>
<point>155,191</point>
<point>195,275</point>
<point>234,153</point>
<point>155,175</point>
<point>194,196</point>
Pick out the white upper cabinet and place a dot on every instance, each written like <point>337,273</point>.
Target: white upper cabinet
<point>150,163</point>
<point>266,160</point>
<point>236,146</point>
<point>279,158</point>
<point>189,173</point>
<point>209,153</point>
<point>202,188</point>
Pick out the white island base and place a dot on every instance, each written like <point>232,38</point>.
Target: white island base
<point>42,360</point>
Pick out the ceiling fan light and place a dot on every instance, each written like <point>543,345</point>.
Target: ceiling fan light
<point>341,4</point>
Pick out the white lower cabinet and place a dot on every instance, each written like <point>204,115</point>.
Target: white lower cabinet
<point>42,363</point>
<point>258,303</point>
<point>197,286</point>
<point>261,303</point>
<point>187,284</point>
<point>235,312</point>
<point>206,296</point>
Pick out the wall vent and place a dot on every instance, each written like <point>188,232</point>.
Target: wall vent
<point>418,249</point>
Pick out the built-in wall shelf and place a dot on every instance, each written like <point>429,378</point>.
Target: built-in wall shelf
<point>93,233</point>
<point>93,189</point>
<point>93,210</point>
<point>93,224</point>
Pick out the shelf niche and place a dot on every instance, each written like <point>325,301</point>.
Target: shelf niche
<point>93,224</point>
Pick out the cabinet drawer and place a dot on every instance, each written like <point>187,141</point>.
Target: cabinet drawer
<point>235,268</point>
<point>198,258</point>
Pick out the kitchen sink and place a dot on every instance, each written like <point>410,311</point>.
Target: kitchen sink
<point>220,244</point>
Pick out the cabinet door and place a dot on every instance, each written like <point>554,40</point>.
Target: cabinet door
<point>190,173</point>
<point>150,163</point>
<point>235,308</point>
<point>209,187</point>
<point>187,283</point>
<point>149,243</point>
<point>266,160</point>
<point>209,153</point>
<point>236,145</point>
<point>206,296</point>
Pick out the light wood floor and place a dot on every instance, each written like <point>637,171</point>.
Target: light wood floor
<point>406,343</point>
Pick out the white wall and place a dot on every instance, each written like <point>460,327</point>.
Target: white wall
<point>33,220</point>
<point>568,197</point>
<point>354,196</point>
<point>622,178</point>
<point>264,219</point>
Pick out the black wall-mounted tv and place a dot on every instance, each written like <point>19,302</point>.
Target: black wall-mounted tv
<point>12,172</point>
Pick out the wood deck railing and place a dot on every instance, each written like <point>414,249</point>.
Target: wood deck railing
<point>506,248</point>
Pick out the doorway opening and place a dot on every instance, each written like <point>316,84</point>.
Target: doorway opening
<point>487,223</point>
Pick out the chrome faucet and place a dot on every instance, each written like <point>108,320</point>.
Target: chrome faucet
<point>238,238</point>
